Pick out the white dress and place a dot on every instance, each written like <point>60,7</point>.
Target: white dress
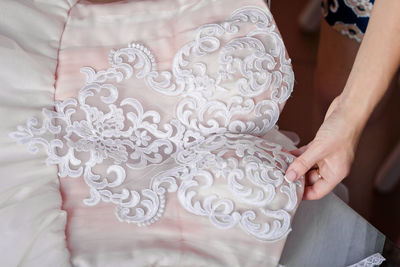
<point>167,146</point>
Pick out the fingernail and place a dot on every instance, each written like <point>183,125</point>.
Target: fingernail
<point>291,175</point>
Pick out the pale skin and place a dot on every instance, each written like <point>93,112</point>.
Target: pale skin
<point>327,159</point>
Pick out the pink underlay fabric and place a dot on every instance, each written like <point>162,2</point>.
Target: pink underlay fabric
<point>162,132</point>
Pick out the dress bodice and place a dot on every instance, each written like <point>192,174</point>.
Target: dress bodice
<point>172,129</point>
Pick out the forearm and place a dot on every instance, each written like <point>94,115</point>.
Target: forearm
<point>376,62</point>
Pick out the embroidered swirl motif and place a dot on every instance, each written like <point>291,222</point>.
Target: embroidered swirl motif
<point>211,141</point>
<point>362,8</point>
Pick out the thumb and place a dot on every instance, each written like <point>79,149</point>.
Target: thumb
<point>303,163</point>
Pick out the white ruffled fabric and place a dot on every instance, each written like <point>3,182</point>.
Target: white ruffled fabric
<point>32,223</point>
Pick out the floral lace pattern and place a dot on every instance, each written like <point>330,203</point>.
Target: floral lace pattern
<point>212,140</point>
<point>373,260</point>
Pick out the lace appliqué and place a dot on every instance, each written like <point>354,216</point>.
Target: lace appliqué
<point>374,260</point>
<point>212,140</point>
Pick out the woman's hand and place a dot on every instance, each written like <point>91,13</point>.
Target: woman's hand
<point>327,159</point>
<point>332,150</point>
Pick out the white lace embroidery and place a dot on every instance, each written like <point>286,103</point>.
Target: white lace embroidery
<point>373,260</point>
<point>212,140</point>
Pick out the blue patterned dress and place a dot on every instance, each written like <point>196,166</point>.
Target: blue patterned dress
<point>349,17</point>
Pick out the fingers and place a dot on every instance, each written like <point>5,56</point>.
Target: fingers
<point>318,190</point>
<point>303,163</point>
<point>299,151</point>
<point>312,177</point>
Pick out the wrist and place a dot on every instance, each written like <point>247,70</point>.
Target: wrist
<point>355,114</point>
<point>356,108</point>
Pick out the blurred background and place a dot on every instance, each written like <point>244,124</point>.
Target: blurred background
<point>378,140</point>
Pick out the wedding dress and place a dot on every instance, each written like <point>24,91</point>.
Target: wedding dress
<point>166,129</point>
<point>164,134</point>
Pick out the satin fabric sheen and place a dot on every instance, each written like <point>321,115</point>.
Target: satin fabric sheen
<point>58,229</point>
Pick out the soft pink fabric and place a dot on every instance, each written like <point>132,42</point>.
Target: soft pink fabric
<point>95,236</point>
